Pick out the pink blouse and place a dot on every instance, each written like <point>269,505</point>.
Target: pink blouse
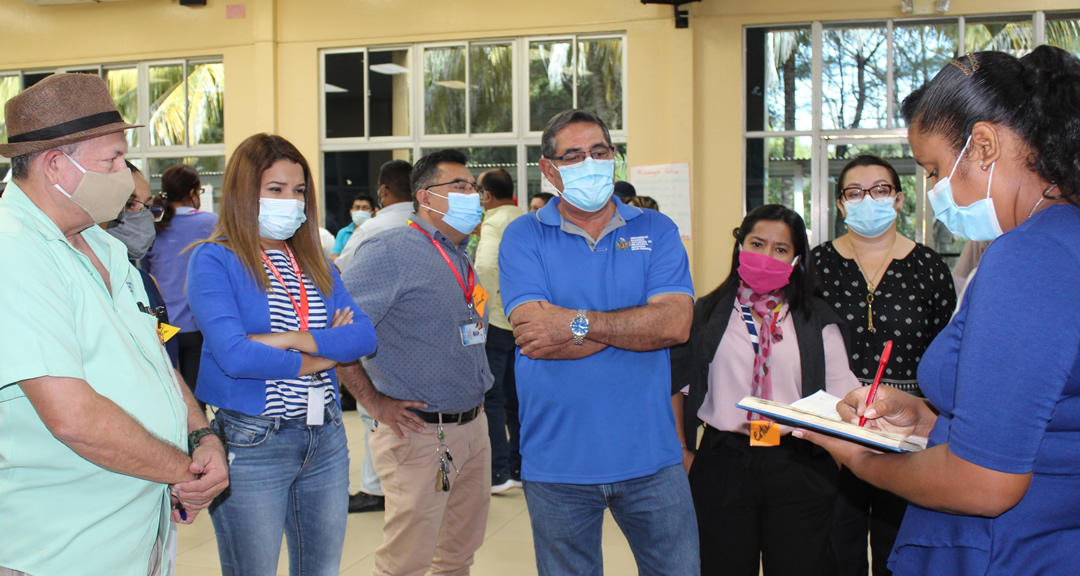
<point>731,371</point>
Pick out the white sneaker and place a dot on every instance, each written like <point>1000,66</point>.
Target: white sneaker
<point>504,486</point>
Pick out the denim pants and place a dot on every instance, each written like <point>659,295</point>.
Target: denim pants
<point>369,479</point>
<point>655,513</point>
<point>284,477</point>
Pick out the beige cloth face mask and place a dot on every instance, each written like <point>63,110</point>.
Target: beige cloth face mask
<point>102,195</point>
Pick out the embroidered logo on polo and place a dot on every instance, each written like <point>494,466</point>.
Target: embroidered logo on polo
<point>640,243</point>
<point>622,244</point>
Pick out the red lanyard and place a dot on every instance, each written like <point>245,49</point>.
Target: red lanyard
<point>467,289</point>
<point>302,308</point>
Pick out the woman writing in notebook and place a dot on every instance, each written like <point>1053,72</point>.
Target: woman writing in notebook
<point>998,491</point>
<point>762,497</point>
<point>887,287</point>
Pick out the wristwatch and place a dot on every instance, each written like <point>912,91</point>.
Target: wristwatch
<point>579,326</point>
<point>194,438</point>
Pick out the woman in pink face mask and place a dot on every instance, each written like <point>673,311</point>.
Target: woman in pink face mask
<point>762,496</point>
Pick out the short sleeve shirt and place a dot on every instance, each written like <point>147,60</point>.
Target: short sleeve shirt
<point>607,417</point>
<point>59,513</point>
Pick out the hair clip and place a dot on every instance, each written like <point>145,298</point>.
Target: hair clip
<point>968,69</point>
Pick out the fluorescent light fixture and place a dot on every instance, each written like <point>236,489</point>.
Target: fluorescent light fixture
<point>452,84</point>
<point>389,69</point>
<point>332,88</point>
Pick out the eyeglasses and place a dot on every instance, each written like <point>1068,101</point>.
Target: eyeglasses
<point>156,211</point>
<point>857,193</point>
<point>597,153</point>
<point>461,186</point>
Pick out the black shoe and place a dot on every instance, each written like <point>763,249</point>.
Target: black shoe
<point>364,502</point>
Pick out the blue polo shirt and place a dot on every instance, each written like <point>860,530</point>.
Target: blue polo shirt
<point>605,418</point>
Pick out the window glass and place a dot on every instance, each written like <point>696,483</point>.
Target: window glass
<point>168,113</point>
<point>388,86</point>
<point>1063,31</point>
<point>491,96</point>
<point>599,83</point>
<point>31,78</point>
<point>444,90</point>
<point>787,79</point>
<point>211,173</point>
<point>9,87</point>
<point>778,171</point>
<point>551,81</point>
<point>854,71</point>
<point>344,95</point>
<point>1012,35</point>
<point>124,88</point>
<point>206,98</point>
<point>349,174</point>
<point>922,49</point>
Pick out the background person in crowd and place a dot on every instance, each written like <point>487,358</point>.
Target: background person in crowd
<point>540,200</point>
<point>645,202</point>
<point>362,209</point>
<point>500,402</point>
<point>597,291</point>
<point>167,261</point>
<point>625,191</point>
<point>426,384</point>
<point>998,489</point>
<point>95,424</point>
<point>761,333</point>
<point>966,266</point>
<point>277,320</point>
<point>395,197</point>
<point>886,287</point>
<point>135,228</point>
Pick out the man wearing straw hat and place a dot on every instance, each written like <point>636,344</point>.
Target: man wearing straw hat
<point>94,425</point>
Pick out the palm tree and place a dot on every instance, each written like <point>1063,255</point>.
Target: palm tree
<point>198,111</point>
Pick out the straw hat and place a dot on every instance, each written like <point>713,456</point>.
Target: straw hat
<point>61,109</point>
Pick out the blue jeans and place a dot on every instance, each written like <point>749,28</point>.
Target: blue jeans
<point>284,477</point>
<point>370,483</point>
<point>655,513</point>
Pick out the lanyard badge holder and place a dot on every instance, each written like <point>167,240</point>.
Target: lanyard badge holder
<point>316,397</point>
<point>473,332</point>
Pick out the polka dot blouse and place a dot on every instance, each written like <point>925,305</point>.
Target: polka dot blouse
<point>912,303</point>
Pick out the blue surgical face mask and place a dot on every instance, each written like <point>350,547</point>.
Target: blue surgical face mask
<point>464,212</point>
<point>977,221</point>
<point>588,185</point>
<point>280,219</point>
<point>869,217</point>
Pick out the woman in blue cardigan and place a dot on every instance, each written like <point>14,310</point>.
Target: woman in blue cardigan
<point>276,321</point>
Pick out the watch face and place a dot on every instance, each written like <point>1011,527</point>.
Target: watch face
<point>579,326</point>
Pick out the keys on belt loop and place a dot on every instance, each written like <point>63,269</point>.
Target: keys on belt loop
<point>446,461</point>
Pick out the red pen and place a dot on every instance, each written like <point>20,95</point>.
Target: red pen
<point>877,380</point>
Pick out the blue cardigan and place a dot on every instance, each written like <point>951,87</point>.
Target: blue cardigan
<point>229,304</point>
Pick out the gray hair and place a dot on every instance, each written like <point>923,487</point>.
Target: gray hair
<point>20,165</point>
<point>564,119</point>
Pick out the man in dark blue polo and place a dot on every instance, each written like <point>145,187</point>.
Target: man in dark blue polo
<point>597,291</point>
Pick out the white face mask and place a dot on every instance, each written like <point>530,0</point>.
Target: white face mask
<point>280,219</point>
<point>978,220</point>
<point>101,195</point>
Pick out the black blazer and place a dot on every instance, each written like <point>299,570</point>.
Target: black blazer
<point>690,361</point>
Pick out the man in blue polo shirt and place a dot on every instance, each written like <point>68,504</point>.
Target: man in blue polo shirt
<point>597,291</point>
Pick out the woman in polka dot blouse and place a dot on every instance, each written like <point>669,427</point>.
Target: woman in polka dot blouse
<point>887,287</point>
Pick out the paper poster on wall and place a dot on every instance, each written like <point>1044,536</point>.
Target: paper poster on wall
<point>669,185</point>
<point>206,198</point>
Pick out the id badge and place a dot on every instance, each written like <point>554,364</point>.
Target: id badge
<point>764,433</point>
<point>316,405</point>
<point>473,332</point>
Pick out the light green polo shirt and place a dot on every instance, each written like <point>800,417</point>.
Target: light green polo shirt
<point>61,514</point>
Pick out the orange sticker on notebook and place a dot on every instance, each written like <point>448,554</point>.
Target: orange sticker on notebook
<point>764,433</point>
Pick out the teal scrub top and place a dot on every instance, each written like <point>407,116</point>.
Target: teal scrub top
<point>59,513</point>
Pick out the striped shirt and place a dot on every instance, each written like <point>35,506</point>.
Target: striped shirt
<point>288,398</point>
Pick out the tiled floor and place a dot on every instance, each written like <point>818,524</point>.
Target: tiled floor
<point>507,549</point>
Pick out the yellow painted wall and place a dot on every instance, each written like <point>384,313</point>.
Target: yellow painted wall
<point>684,99</point>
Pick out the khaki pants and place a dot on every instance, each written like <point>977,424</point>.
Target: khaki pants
<point>425,528</point>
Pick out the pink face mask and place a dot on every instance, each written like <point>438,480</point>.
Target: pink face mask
<point>762,273</point>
